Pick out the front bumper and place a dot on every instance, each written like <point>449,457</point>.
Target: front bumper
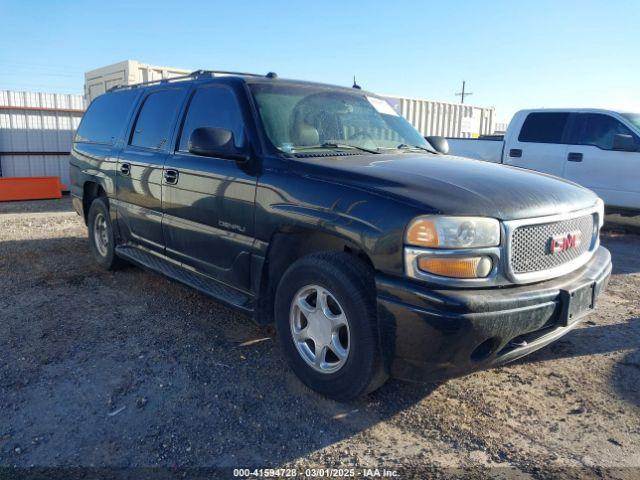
<point>432,334</point>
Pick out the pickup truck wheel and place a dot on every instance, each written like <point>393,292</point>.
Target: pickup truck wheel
<point>101,238</point>
<point>327,325</point>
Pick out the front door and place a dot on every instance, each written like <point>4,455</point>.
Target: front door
<point>540,144</point>
<point>208,202</point>
<point>139,169</point>
<point>592,162</point>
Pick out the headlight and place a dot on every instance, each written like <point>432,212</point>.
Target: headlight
<point>435,231</point>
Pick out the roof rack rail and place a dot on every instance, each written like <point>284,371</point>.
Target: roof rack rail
<point>192,76</point>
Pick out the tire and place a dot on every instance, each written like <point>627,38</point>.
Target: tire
<point>101,236</point>
<point>349,363</point>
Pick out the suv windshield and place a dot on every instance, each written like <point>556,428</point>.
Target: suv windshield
<point>633,118</point>
<point>300,117</point>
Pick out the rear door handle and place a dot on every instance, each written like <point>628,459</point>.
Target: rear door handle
<point>574,157</point>
<point>515,153</point>
<point>171,176</point>
<point>125,169</point>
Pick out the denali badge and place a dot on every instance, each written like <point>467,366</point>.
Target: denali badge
<point>565,241</point>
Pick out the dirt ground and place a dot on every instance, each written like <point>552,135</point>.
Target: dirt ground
<point>127,369</point>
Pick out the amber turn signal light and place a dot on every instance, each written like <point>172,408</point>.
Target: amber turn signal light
<point>456,267</point>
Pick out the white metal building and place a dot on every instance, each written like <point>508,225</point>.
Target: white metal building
<point>36,131</point>
<point>98,81</point>
<point>445,119</point>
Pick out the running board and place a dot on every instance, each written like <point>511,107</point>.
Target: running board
<point>175,271</point>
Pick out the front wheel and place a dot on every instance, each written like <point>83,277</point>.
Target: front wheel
<point>327,325</point>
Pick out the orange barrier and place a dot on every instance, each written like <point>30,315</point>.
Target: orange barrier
<point>29,188</point>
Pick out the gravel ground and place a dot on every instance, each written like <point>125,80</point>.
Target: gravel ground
<point>128,369</point>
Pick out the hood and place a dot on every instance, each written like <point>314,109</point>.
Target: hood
<point>456,186</point>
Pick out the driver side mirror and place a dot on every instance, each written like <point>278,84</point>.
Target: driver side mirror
<point>216,142</point>
<point>439,143</point>
<point>624,143</point>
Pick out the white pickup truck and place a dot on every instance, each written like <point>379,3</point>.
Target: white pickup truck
<point>599,149</point>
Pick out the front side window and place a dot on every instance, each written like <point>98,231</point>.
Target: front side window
<point>599,130</point>
<point>213,106</point>
<point>297,117</point>
<point>544,127</point>
<point>634,118</point>
<point>155,121</point>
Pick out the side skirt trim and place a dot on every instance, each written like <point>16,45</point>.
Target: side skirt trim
<point>175,271</point>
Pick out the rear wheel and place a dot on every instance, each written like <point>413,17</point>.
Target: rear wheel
<point>101,236</point>
<point>327,325</point>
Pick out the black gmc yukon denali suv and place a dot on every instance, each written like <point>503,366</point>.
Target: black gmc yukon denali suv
<point>321,209</point>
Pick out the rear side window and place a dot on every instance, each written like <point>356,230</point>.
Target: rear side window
<point>599,130</point>
<point>544,127</point>
<point>106,117</point>
<point>156,118</point>
<point>213,107</point>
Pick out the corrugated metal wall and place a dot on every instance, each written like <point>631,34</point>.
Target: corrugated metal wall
<point>36,131</point>
<point>445,119</point>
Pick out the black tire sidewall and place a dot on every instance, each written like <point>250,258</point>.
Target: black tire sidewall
<point>358,303</point>
<point>108,261</point>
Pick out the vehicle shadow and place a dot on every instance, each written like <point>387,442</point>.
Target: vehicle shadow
<point>127,368</point>
<point>602,339</point>
<point>625,251</point>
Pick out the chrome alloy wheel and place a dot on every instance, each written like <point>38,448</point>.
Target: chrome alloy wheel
<point>320,329</point>
<point>101,234</point>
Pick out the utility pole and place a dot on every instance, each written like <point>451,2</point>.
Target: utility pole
<point>462,94</point>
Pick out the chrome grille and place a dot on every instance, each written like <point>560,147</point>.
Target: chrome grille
<point>531,244</point>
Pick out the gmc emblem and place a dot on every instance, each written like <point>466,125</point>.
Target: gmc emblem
<point>564,242</point>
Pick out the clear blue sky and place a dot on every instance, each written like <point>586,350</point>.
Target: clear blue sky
<point>513,54</point>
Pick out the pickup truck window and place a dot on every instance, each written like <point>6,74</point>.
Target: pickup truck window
<point>213,106</point>
<point>155,120</point>
<point>634,118</point>
<point>599,129</point>
<point>544,127</point>
<point>297,117</point>
<point>105,118</point>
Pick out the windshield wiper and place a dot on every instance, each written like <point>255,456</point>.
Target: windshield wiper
<point>336,146</point>
<point>404,146</point>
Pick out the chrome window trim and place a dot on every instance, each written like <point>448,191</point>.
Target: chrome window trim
<point>530,277</point>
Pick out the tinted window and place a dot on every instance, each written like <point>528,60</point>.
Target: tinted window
<point>599,130</point>
<point>156,118</point>
<point>213,107</point>
<point>544,127</point>
<point>105,118</point>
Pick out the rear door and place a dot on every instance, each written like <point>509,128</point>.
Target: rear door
<point>209,202</point>
<point>541,143</point>
<point>592,162</point>
<point>139,169</point>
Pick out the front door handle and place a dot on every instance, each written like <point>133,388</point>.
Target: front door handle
<point>574,157</point>
<point>515,153</point>
<point>171,176</point>
<point>125,169</point>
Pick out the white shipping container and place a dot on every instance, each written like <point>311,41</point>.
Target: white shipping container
<point>98,81</point>
<point>36,132</point>
<point>445,119</point>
